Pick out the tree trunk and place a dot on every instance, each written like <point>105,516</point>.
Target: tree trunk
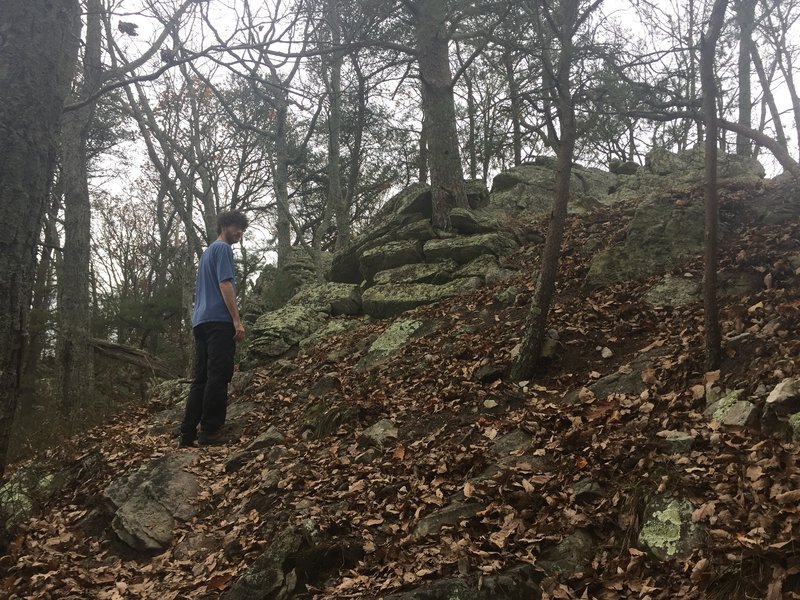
<point>74,356</point>
<point>536,324</point>
<point>438,107</point>
<point>708,45</point>
<point>335,194</point>
<point>516,108</point>
<point>745,18</point>
<point>280,178</point>
<point>769,100</point>
<point>43,289</point>
<point>37,58</point>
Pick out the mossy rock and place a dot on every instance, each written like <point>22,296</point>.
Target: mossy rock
<point>334,298</point>
<point>436,273</point>
<point>389,300</point>
<point>276,332</point>
<point>389,256</point>
<point>668,531</point>
<point>463,249</point>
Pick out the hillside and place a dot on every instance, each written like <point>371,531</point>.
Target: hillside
<point>600,478</point>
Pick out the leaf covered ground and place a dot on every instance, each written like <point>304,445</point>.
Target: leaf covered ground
<point>745,486</point>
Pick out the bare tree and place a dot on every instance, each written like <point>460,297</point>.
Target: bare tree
<point>37,58</point>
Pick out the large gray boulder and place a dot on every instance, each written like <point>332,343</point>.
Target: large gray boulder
<point>463,249</point>
<point>277,332</point>
<point>436,273</point>
<point>148,502</point>
<point>530,188</point>
<point>782,404</point>
<point>389,256</point>
<point>389,300</point>
<point>334,298</point>
<point>689,165</point>
<point>665,231</point>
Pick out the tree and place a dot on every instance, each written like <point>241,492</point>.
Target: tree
<point>37,58</point>
<point>563,21</point>
<point>708,45</point>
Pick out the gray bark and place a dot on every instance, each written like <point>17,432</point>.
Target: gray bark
<point>438,107</point>
<point>37,58</point>
<point>74,357</point>
<point>745,17</point>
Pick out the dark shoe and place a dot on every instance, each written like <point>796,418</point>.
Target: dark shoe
<point>187,440</point>
<point>211,438</point>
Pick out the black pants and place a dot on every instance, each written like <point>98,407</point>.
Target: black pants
<point>213,370</point>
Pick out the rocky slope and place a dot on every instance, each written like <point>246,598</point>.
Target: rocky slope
<point>393,459</point>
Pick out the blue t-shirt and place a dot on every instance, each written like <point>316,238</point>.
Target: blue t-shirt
<point>216,266</point>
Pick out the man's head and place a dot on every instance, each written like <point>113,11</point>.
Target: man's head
<point>231,226</point>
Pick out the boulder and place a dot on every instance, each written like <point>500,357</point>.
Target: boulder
<point>448,516</point>
<point>274,576</point>
<point>463,249</point>
<point>380,434</point>
<point>517,583</point>
<point>170,392</point>
<point>733,412</point>
<point>388,300</point>
<point>481,267</point>
<point>674,291</point>
<point>147,502</point>
<point>467,221</point>
<point>477,193</point>
<point>515,441</point>
<point>390,341</point>
<point>626,380</point>
<point>334,298</point>
<point>420,231</point>
<point>436,273</point>
<point>268,439</point>
<point>667,528</point>
<point>570,555</point>
<point>619,167</point>
<point>781,405</point>
<point>330,329</point>
<point>389,256</point>
<point>689,166</point>
<point>676,442</point>
<point>276,332</point>
<point>663,233</point>
<point>531,187</point>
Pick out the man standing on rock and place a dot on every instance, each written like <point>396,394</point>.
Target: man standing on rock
<point>217,327</point>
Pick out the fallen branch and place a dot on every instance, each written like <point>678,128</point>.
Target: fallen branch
<point>132,356</point>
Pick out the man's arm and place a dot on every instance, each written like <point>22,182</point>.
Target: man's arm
<point>229,296</point>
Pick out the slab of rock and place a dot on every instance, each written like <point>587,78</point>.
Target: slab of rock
<point>511,442</point>
<point>436,273</point>
<point>626,380</point>
<point>570,555</point>
<point>169,393</point>
<point>667,529</point>
<point>469,221</point>
<point>389,256</point>
<point>277,332</point>
<point>420,231</point>
<point>147,502</point>
<point>450,515</point>
<point>480,267</point>
<point>334,298</point>
<point>674,291</point>
<point>393,338</point>
<point>380,434</point>
<point>330,329</point>
<point>463,249</point>
<point>271,437</point>
<point>733,412</point>
<point>782,403</point>
<point>663,233</point>
<point>389,300</point>
<point>518,583</point>
<point>676,442</point>
<point>273,575</point>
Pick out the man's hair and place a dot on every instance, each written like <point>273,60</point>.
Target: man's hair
<point>232,217</point>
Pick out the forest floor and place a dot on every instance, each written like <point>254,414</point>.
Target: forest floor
<point>744,485</point>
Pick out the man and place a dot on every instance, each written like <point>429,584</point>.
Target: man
<point>217,327</point>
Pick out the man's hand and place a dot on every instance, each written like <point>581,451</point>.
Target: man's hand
<point>239,335</point>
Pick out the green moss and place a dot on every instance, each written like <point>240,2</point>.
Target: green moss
<point>395,336</point>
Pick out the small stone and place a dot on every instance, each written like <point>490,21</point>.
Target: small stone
<point>677,442</point>
<point>267,439</point>
<point>606,353</point>
<point>379,434</point>
<point>270,479</point>
<point>237,461</point>
<point>276,453</point>
<point>516,440</point>
<point>668,531</point>
<point>489,373</point>
<point>489,404</point>
<point>450,515</point>
<point>367,457</point>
